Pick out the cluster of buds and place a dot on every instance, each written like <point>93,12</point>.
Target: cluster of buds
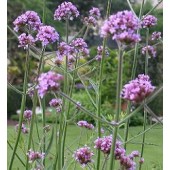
<point>56,103</point>
<point>83,155</point>
<point>85,124</point>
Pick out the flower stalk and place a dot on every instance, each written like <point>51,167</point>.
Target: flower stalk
<point>118,105</point>
<point>23,102</point>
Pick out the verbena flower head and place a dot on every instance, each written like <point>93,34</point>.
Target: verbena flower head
<point>47,82</point>
<point>127,163</point>
<point>156,36</point>
<point>95,12</point>
<point>138,89</point>
<point>149,21</point>
<point>122,26</point>
<point>33,155</point>
<point>104,144</point>
<point>90,21</point>
<point>57,104</point>
<point>83,155</point>
<point>66,11</point>
<point>134,154</point>
<point>80,46</point>
<point>47,34</point>
<point>27,114</point>
<point>23,128</point>
<point>151,51</point>
<point>30,19</point>
<point>85,124</point>
<point>25,40</point>
<point>64,50</point>
<point>100,51</point>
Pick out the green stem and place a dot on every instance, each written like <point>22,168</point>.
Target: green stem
<point>147,56</point>
<point>104,163</point>
<point>56,153</point>
<point>23,102</point>
<point>62,121</point>
<point>154,7</point>
<point>136,46</point>
<point>145,112</point>
<point>16,154</point>
<point>127,126</point>
<point>118,106</point>
<point>35,97</point>
<point>143,139</point>
<point>133,76</point>
<point>100,85</point>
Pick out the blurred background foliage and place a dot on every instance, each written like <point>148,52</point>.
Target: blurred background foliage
<point>16,55</point>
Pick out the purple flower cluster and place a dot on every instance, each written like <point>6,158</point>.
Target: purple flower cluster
<point>85,124</point>
<point>24,129</point>
<point>47,34</point>
<point>100,51</point>
<point>32,155</point>
<point>64,50</point>
<point>57,104</point>
<point>94,14</point>
<point>138,89</point>
<point>66,11</point>
<point>156,36</point>
<point>25,40</point>
<point>48,81</point>
<point>77,48</point>
<point>83,155</point>
<point>80,46</point>
<point>122,26</point>
<point>151,50</point>
<point>149,21</point>
<point>27,114</point>
<point>30,19</point>
<point>104,144</point>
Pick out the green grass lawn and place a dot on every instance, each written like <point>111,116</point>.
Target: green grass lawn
<point>153,151</point>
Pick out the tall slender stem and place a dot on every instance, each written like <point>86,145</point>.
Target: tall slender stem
<point>100,85</point>
<point>118,106</point>
<point>22,108</point>
<point>127,126</point>
<point>132,77</point>
<point>34,106</point>
<point>145,112</point>
<point>64,109</point>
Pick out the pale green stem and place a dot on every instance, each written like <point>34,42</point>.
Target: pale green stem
<point>64,109</point>
<point>145,112</point>
<point>133,76</point>
<point>100,87</point>
<point>154,7</point>
<point>16,154</point>
<point>104,163</point>
<point>34,106</point>
<point>56,148</point>
<point>143,140</point>
<point>23,102</point>
<point>127,125</point>
<point>118,106</point>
